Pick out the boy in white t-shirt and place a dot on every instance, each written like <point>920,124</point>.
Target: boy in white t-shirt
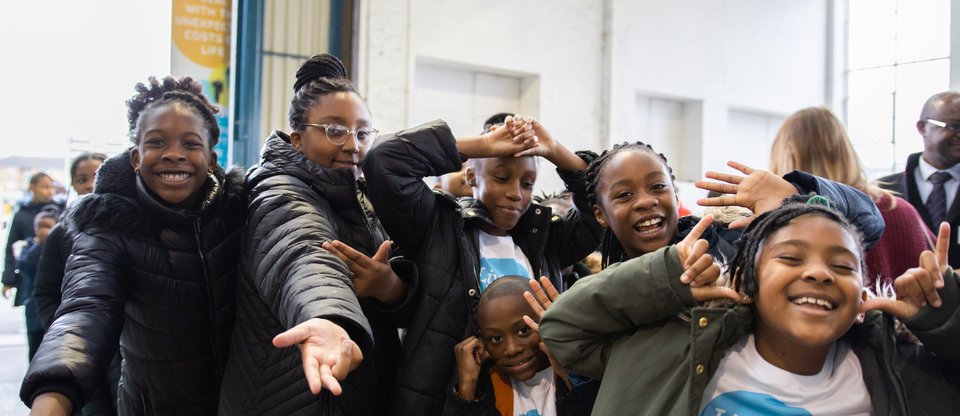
<point>505,370</point>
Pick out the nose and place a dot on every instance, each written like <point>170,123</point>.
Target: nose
<point>513,192</point>
<point>174,154</point>
<point>512,348</point>
<point>645,201</point>
<point>351,145</point>
<point>818,272</point>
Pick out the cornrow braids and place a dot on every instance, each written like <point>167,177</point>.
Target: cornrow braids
<point>83,157</point>
<point>320,75</point>
<point>610,248</point>
<point>750,245</point>
<point>161,92</point>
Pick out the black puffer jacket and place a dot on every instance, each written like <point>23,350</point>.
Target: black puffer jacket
<point>21,228</point>
<point>49,279</point>
<point>160,281</point>
<point>288,278</point>
<point>441,238</point>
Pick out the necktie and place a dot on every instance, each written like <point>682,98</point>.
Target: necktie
<point>937,201</point>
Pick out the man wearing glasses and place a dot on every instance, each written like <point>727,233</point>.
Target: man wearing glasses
<point>931,179</point>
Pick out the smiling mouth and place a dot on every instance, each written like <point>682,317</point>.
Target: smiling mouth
<point>174,177</point>
<point>811,301</point>
<point>649,226</point>
<point>521,362</point>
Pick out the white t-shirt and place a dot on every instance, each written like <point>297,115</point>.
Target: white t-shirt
<point>537,396</point>
<point>746,384</point>
<point>499,257</point>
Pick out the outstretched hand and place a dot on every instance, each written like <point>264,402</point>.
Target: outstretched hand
<point>542,297</point>
<point>372,276</point>
<point>916,288</point>
<point>759,191</point>
<point>326,350</point>
<point>699,269</point>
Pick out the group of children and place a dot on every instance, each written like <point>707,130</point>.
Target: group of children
<point>254,295</point>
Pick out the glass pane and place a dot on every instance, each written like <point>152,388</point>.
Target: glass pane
<point>923,29</point>
<point>871,82</point>
<point>870,120</point>
<point>871,30</point>
<point>875,157</point>
<point>915,84</point>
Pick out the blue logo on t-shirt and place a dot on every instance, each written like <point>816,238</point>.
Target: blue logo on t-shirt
<point>493,269</point>
<point>531,413</point>
<point>746,403</point>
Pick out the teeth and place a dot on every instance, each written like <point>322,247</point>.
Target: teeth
<point>655,221</point>
<point>814,301</point>
<point>174,177</point>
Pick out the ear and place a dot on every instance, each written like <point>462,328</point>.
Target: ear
<point>597,212</point>
<point>213,160</point>
<point>860,315</point>
<point>296,140</point>
<point>471,176</point>
<point>135,158</point>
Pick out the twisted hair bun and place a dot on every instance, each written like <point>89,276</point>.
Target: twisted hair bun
<point>317,67</point>
<point>169,89</point>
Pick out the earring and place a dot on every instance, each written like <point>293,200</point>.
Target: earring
<point>136,171</point>
<point>860,317</point>
<point>745,299</point>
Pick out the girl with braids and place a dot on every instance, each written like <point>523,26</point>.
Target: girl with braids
<point>153,268</point>
<point>634,199</point>
<point>305,319</point>
<point>803,336</point>
<point>461,247</point>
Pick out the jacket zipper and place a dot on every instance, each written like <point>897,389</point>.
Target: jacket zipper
<point>206,286</point>
<point>891,358</point>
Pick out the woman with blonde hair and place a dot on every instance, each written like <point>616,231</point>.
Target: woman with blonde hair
<point>814,140</point>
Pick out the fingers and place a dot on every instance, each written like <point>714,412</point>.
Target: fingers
<point>311,371</point>
<point>383,253</point>
<point>552,292</point>
<point>344,360</point>
<point>702,272</point>
<point>727,178</point>
<point>717,201</point>
<point>328,380</point>
<point>354,259</point>
<point>928,281</point>
<point>534,304</point>
<point>292,336</point>
<point>706,293</point>
<point>900,309</point>
<point>943,247</point>
<point>531,323</point>
<point>698,229</point>
<point>741,223</point>
<point>741,167</point>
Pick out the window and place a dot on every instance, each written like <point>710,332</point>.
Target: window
<point>898,56</point>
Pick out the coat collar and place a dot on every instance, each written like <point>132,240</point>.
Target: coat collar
<point>279,157</point>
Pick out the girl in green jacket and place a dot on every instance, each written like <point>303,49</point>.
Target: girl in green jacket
<point>805,338</point>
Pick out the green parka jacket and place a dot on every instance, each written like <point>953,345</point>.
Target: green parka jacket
<point>655,350</point>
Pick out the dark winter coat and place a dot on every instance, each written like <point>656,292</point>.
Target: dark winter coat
<point>574,402</point>
<point>21,228</point>
<point>905,185</point>
<point>441,238</point>
<point>158,282</point>
<point>287,278</point>
<point>652,362</point>
<point>49,279</point>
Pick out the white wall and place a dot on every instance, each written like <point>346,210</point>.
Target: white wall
<point>597,62</point>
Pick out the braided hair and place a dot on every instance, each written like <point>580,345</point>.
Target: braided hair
<point>158,93</point>
<point>610,248</point>
<point>750,245</point>
<point>83,157</point>
<point>320,75</point>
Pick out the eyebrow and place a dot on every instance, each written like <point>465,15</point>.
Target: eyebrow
<point>362,121</point>
<point>161,131</point>
<point>649,176</point>
<point>801,243</point>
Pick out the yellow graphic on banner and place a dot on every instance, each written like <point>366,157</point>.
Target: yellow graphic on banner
<point>201,30</point>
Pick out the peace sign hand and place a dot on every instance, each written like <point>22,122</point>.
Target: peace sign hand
<point>916,288</point>
<point>760,191</point>
<point>699,269</point>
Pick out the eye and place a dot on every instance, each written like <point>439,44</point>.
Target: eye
<point>623,195</point>
<point>365,134</point>
<point>527,185</point>
<point>789,258</point>
<point>193,144</point>
<point>153,141</point>
<point>500,178</point>
<point>495,339</point>
<point>847,267</point>
<point>523,332</point>
<point>659,187</point>
<point>336,131</point>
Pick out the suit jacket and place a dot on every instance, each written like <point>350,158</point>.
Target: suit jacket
<point>906,185</point>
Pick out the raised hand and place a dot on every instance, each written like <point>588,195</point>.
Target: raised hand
<point>535,327</point>
<point>699,269</point>
<point>326,350</point>
<point>759,191</point>
<point>511,139</point>
<point>372,277</point>
<point>542,294</point>
<point>470,357</point>
<point>551,149</point>
<point>916,288</point>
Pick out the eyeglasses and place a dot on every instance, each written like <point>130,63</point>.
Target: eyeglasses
<point>338,134</point>
<point>953,127</point>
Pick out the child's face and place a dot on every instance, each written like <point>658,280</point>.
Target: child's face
<point>809,281</point>
<point>173,154</point>
<point>636,200</point>
<point>42,228</point>
<point>42,190</point>
<point>505,187</point>
<point>341,108</point>
<point>84,175</point>
<point>455,183</point>
<point>513,346</point>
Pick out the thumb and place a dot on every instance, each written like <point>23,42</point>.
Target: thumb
<point>292,336</point>
<point>383,253</point>
<point>741,223</point>
<point>703,294</point>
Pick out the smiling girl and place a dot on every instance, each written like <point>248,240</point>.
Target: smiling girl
<point>805,339</point>
<point>153,268</point>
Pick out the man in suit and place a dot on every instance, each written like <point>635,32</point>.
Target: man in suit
<point>931,179</point>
